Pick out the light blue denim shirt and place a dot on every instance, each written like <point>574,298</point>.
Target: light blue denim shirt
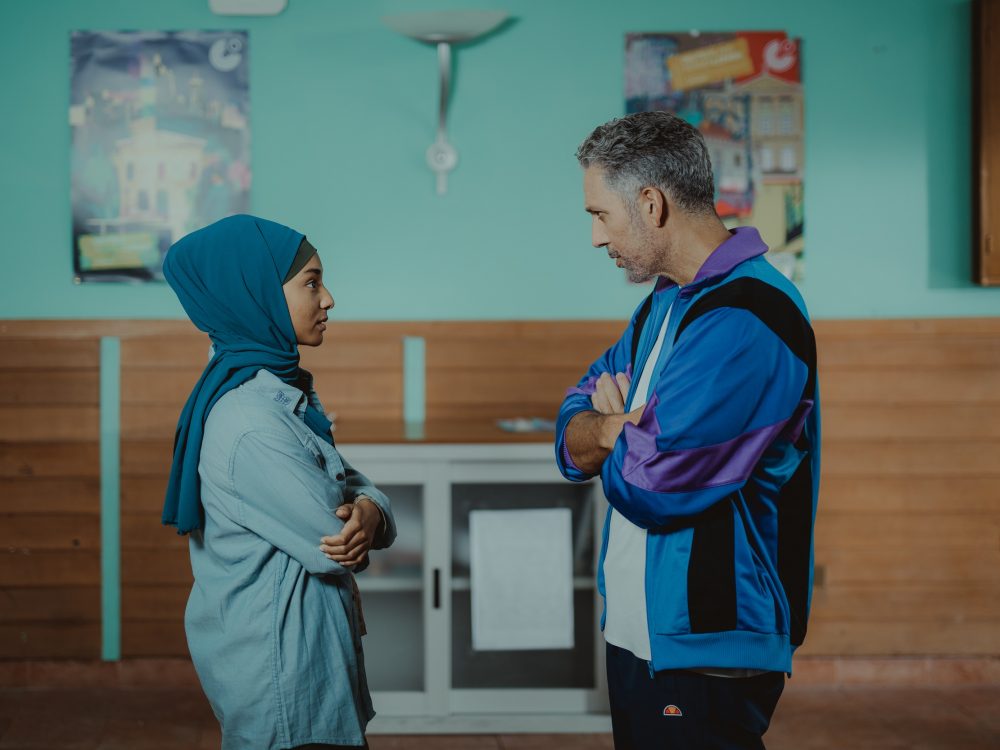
<point>271,622</point>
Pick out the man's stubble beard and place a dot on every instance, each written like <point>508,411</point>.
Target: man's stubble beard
<point>654,266</point>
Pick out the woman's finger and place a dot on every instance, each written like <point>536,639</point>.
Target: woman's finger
<point>338,548</point>
<point>358,541</point>
<point>350,529</point>
<point>354,560</point>
<point>344,550</point>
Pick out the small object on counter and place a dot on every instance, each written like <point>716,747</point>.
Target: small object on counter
<point>527,424</point>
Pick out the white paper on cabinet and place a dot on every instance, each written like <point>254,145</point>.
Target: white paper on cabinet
<point>522,579</point>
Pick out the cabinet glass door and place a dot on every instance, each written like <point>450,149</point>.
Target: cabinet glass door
<point>392,594</point>
<point>569,668</point>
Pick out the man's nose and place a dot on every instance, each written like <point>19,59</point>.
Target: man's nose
<point>598,237</point>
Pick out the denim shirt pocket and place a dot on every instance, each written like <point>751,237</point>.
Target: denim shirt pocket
<point>327,459</point>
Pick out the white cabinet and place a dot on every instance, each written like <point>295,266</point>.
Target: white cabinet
<point>422,669</point>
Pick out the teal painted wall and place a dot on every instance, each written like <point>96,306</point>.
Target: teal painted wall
<point>343,110</point>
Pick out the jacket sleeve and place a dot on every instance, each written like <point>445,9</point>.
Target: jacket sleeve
<point>616,359</point>
<point>728,389</point>
<point>285,497</point>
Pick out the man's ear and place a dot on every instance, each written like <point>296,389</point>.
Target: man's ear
<point>653,206</point>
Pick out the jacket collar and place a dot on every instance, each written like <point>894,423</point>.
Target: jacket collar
<point>743,244</point>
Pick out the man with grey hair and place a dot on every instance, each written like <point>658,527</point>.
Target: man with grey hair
<point>703,422</point>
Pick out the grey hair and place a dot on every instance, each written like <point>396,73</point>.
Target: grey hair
<point>656,149</point>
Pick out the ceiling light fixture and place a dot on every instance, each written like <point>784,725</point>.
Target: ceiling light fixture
<point>444,29</point>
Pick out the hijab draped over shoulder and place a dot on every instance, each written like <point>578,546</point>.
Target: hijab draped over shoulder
<point>228,276</point>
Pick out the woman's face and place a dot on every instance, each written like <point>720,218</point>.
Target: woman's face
<point>308,302</point>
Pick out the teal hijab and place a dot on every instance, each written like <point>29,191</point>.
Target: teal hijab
<point>228,276</point>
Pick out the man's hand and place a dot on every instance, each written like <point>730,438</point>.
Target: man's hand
<point>610,426</point>
<point>590,437</point>
<point>611,393</point>
<point>361,527</point>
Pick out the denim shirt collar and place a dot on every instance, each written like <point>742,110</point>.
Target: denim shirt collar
<point>290,397</point>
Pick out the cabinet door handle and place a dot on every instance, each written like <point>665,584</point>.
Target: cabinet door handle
<point>437,588</point>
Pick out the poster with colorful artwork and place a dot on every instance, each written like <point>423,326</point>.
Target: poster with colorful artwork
<point>160,144</point>
<point>743,91</point>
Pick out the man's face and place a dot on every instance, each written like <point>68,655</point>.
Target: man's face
<point>613,227</point>
<point>308,302</point>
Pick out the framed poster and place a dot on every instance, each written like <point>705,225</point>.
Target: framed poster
<point>160,144</point>
<point>743,91</point>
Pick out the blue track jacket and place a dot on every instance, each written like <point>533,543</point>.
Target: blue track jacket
<point>722,469</point>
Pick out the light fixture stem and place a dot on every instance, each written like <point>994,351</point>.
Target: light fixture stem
<point>444,60</point>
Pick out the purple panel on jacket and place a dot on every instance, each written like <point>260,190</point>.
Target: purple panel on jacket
<point>798,420</point>
<point>663,283</point>
<point>648,468</point>
<point>588,388</point>
<point>568,459</point>
<point>745,243</point>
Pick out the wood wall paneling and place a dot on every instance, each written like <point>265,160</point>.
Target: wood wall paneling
<point>907,537</point>
<point>908,532</point>
<point>43,495</point>
<point>49,497</point>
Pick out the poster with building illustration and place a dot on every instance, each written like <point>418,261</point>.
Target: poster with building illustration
<point>160,144</point>
<point>743,91</point>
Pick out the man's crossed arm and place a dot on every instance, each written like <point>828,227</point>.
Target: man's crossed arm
<point>591,435</point>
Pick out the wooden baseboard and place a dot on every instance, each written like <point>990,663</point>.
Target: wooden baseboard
<point>816,671</point>
<point>128,673</point>
<point>902,671</point>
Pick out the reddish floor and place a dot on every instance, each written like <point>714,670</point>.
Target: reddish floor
<point>808,718</point>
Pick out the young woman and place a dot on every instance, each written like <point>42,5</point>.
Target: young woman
<point>278,520</point>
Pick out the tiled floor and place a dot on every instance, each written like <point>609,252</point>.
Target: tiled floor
<point>808,718</point>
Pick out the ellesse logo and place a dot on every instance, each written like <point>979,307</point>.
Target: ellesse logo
<point>672,710</point>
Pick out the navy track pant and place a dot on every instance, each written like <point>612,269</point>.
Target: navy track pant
<point>678,709</point>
